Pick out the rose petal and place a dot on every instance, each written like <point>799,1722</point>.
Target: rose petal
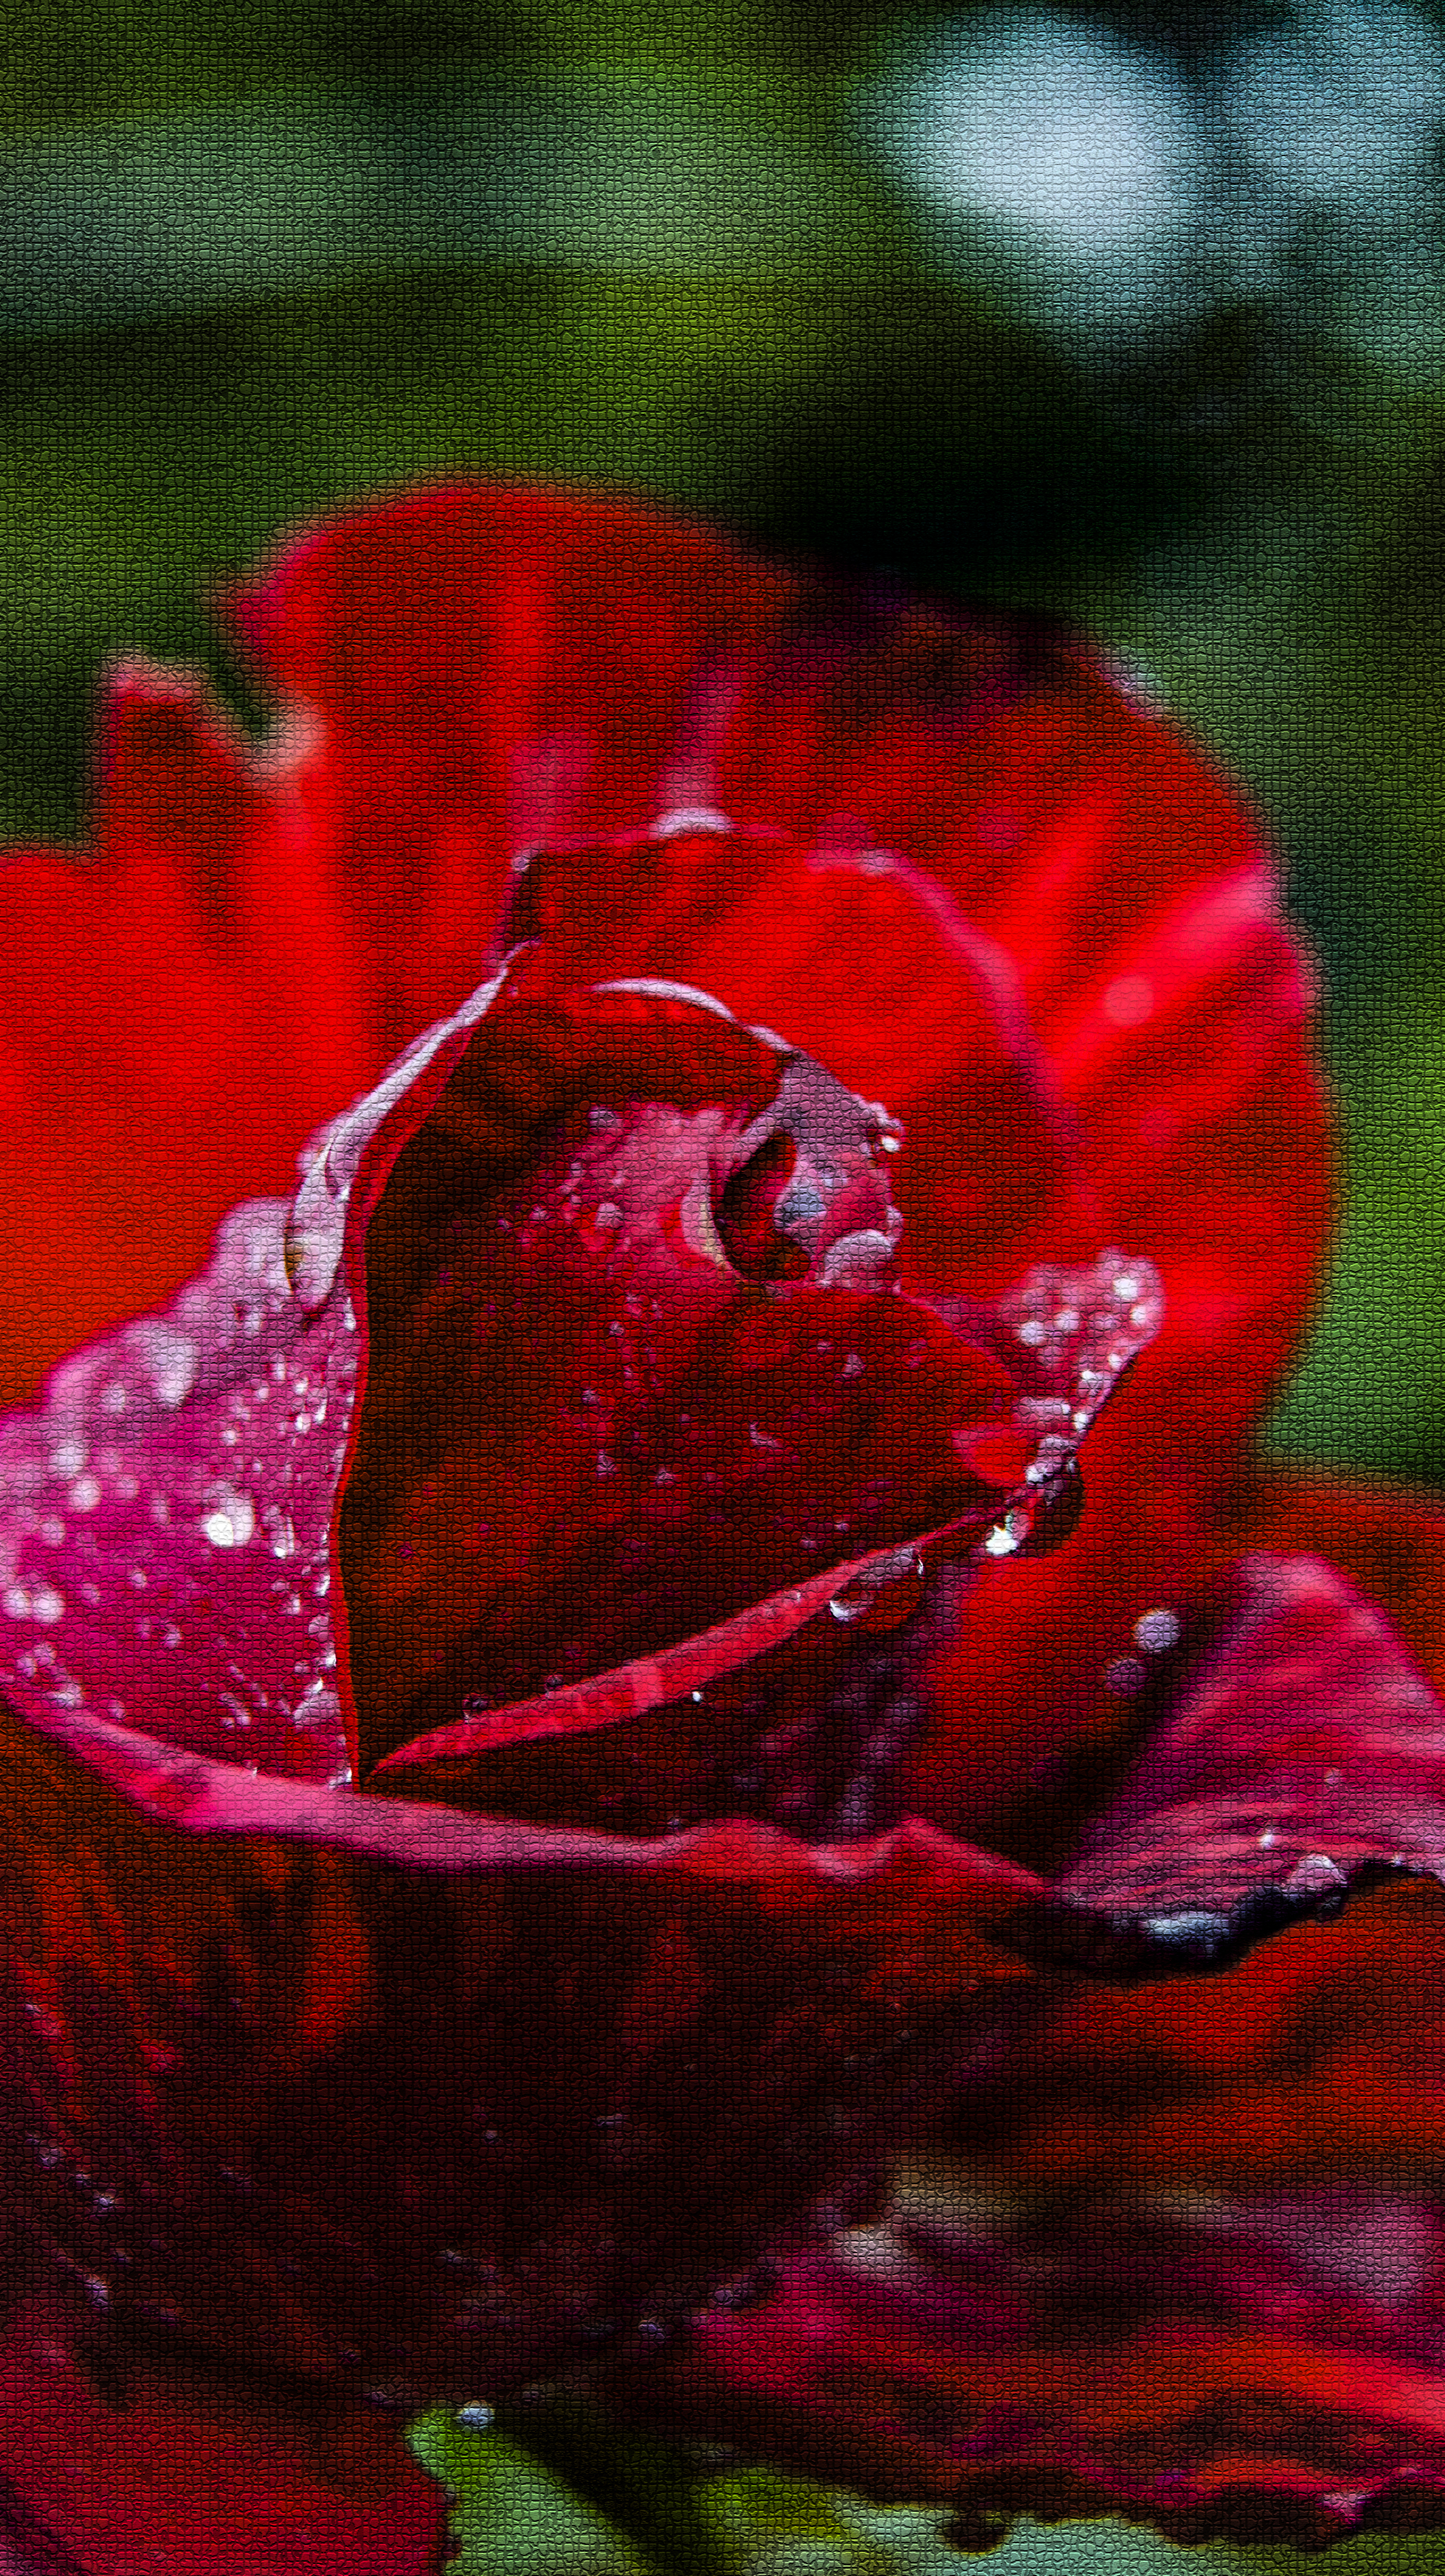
<point>502,672</point>
<point>868,966</point>
<point>1303,1749</point>
<point>490,667</point>
<point>473,672</point>
<point>158,2460</point>
<point>1316,2060</point>
<point>150,1002</point>
<point>1321,2052</point>
<point>165,1519</point>
<point>260,2044</point>
<point>584,1436</point>
<point>1388,1541</point>
<point>1256,2370</point>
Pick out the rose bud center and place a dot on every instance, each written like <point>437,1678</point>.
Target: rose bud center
<point>643,1401</point>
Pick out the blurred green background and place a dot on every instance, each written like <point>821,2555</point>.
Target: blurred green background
<point>1134,313</point>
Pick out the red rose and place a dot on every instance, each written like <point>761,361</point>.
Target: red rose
<point>623,1460</point>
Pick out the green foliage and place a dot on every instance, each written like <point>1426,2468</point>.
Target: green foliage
<point>575,2499</point>
<point>549,2491</point>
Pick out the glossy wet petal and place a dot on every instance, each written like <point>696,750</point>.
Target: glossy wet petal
<point>153,2459</point>
<point>165,1519</point>
<point>1242,2367</point>
<point>1303,1749</point>
<point>261,2046</point>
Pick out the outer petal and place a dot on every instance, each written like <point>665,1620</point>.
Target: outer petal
<point>1188,2260</point>
<point>265,2077</point>
<point>1251,2369</point>
<point>1304,1749</point>
<point>143,2460</point>
<point>1388,1542</point>
<point>1320,2054</point>
<point>175,1018</point>
<point>474,671</point>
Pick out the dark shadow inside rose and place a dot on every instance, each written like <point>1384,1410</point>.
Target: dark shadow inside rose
<point>654,1456</point>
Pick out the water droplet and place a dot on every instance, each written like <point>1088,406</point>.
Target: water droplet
<point>1157,1631</point>
<point>169,1358</point>
<point>1006,1536</point>
<point>477,2417</point>
<point>1268,1839</point>
<point>39,1601</point>
<point>882,1596</point>
<point>280,1531</point>
<point>1314,1875</point>
<point>229,1519</point>
<point>1037,1526</point>
<point>1128,1001</point>
<point>858,1260</point>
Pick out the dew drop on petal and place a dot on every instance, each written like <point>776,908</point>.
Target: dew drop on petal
<point>1157,1631</point>
<point>280,1531</point>
<point>882,1596</point>
<point>229,1519</point>
<point>169,1358</point>
<point>1129,1001</point>
<point>1315,1875</point>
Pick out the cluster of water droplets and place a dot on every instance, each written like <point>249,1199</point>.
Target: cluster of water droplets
<point>164,1519</point>
<point>1074,1333</point>
<point>1070,1334</point>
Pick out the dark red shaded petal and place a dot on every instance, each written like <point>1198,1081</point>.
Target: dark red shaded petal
<point>261,2051</point>
<point>1303,1747</point>
<point>583,1436</point>
<point>1387,1541</point>
<point>1258,2370</point>
<point>1320,2054</point>
<point>863,963</point>
<point>1043,1656</point>
<point>1316,2060</point>
<point>167,2463</point>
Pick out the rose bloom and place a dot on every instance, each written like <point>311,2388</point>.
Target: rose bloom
<point>568,1704</point>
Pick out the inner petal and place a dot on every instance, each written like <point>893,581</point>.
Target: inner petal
<point>639,1371</point>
